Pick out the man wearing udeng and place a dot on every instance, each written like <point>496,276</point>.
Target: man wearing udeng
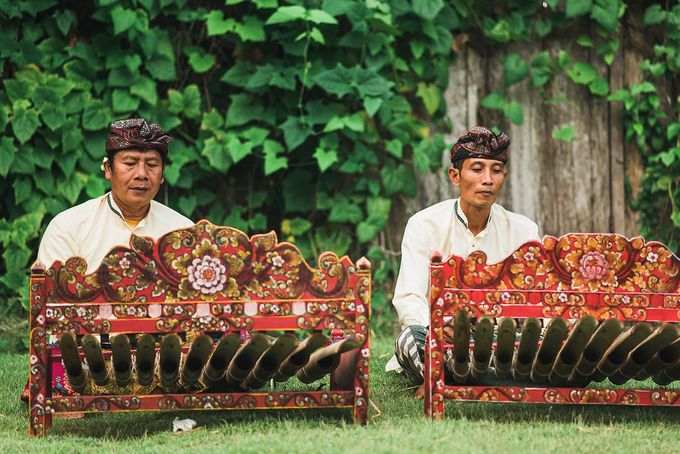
<point>136,154</point>
<point>473,222</point>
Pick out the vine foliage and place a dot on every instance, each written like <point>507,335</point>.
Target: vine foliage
<point>305,116</point>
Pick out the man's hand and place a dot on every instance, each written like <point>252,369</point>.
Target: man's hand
<point>420,392</point>
<point>448,334</point>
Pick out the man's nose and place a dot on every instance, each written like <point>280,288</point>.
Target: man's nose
<point>486,177</point>
<point>141,171</point>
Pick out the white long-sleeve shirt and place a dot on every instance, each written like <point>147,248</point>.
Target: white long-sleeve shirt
<point>443,228</point>
<point>91,229</point>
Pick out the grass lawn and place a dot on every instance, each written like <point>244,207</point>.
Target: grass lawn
<point>399,427</point>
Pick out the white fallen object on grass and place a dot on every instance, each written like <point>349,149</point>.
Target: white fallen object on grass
<point>183,425</point>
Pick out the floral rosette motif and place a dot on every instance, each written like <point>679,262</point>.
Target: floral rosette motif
<point>203,324</point>
<point>599,396</point>
<point>552,395</point>
<point>593,262</point>
<point>476,273</point>
<point>130,310</point>
<point>227,309</point>
<point>120,265</point>
<point>324,307</point>
<point>206,273</point>
<point>85,313</point>
<point>655,270</point>
<point>451,273</point>
<point>274,309</point>
<point>667,397</point>
<point>531,268</point>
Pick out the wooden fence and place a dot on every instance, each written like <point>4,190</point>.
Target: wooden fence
<point>565,187</point>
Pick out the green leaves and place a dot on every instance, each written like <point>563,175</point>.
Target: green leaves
<point>565,134</point>
<point>345,212</point>
<point>215,150</point>
<point>399,179</point>
<point>123,101</point>
<point>71,186</point>
<point>427,9</point>
<point>325,159</point>
<point>272,161</point>
<point>323,111</point>
<point>515,69</point>
<point>341,81</point>
<point>511,109</point>
<point>286,14</point>
<point>7,152</point>
<point>352,122</point>
<point>199,60</point>
<point>582,73</point>
<point>540,69</point>
<point>586,74</point>
<point>123,19</point>
<point>338,81</point>
<point>295,132</point>
<point>24,123</point>
<point>430,95</point>
<point>497,31</point>
<point>162,68</point>
<point>578,7</point>
<point>292,13</point>
<point>242,110</point>
<point>654,14</point>
<point>186,102</point>
<point>251,29</point>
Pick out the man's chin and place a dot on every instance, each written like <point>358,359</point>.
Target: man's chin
<point>483,203</point>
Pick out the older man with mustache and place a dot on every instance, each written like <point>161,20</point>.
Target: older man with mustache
<point>472,222</point>
<point>136,154</point>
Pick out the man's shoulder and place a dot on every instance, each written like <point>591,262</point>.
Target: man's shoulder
<point>434,212</point>
<point>169,217</point>
<point>515,220</point>
<point>78,212</point>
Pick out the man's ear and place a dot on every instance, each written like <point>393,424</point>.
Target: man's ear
<point>454,176</point>
<point>107,169</point>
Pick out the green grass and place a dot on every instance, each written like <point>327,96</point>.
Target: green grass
<point>400,426</point>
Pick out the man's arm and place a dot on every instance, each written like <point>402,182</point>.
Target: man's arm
<point>56,244</point>
<point>410,292</point>
<point>534,233</point>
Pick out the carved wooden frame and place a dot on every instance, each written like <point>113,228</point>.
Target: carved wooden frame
<point>261,284</point>
<point>604,275</point>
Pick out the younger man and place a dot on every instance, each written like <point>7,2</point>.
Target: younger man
<point>472,222</point>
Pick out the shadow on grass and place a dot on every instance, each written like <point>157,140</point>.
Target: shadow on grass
<point>137,425</point>
<point>511,413</point>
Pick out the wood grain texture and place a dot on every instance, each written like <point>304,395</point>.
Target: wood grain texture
<point>581,186</point>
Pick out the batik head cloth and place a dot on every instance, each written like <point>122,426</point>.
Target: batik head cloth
<point>481,142</point>
<point>137,133</point>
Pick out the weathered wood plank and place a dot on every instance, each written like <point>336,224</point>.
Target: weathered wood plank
<point>523,177</point>
<point>634,43</point>
<point>597,123</point>
<point>578,186</point>
<point>617,220</point>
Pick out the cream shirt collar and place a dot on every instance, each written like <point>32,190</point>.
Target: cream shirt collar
<point>462,220</point>
<point>119,213</point>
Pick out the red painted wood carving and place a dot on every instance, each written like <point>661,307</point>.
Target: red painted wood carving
<point>201,279</point>
<point>572,277</point>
